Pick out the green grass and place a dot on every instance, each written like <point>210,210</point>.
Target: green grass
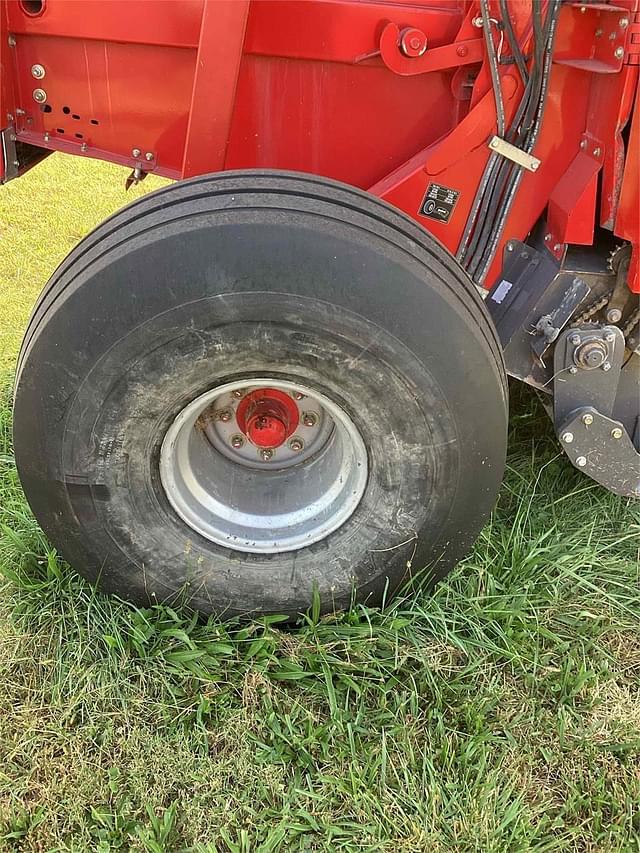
<point>500,714</point>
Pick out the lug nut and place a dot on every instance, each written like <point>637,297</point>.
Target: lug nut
<point>38,72</point>
<point>567,437</point>
<point>616,432</point>
<point>298,395</point>
<point>237,441</point>
<point>224,416</point>
<point>309,419</point>
<point>587,419</point>
<point>265,454</point>
<point>238,393</point>
<point>296,444</point>
<point>581,461</point>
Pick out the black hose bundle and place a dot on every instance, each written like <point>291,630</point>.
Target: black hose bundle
<point>501,178</point>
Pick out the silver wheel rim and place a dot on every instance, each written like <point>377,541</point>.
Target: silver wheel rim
<point>232,493</point>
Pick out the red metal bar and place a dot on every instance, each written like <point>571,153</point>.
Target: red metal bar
<point>214,87</point>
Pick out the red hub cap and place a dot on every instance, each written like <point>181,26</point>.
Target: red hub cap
<point>267,417</point>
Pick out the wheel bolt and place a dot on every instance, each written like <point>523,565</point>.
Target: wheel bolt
<point>309,419</point>
<point>616,432</point>
<point>296,444</point>
<point>237,441</point>
<point>224,416</point>
<point>265,454</point>
<point>587,419</point>
<point>298,395</point>
<point>238,393</point>
<point>567,437</point>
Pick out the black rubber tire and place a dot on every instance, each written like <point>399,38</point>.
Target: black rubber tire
<point>253,273</point>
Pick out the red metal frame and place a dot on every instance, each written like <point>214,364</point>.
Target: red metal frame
<point>334,87</point>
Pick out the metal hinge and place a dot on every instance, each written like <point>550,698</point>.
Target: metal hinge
<point>632,45</point>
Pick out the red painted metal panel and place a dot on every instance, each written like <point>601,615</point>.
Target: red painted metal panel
<point>342,30</point>
<point>170,22</point>
<point>107,96</point>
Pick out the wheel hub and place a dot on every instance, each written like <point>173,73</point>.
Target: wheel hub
<point>267,417</point>
<point>263,466</point>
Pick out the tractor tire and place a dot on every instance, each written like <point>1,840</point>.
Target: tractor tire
<point>251,390</point>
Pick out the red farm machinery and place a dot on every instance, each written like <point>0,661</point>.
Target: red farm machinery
<point>285,375</point>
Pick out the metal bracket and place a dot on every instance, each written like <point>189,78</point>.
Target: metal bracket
<point>587,364</point>
<point>515,154</point>
<point>587,369</point>
<point>602,448</point>
<point>11,162</point>
<point>467,52</point>
<point>530,304</point>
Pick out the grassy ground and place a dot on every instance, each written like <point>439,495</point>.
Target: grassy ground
<point>501,714</point>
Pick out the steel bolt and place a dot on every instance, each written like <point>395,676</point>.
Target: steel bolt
<point>136,152</point>
<point>224,416</point>
<point>237,441</point>
<point>623,23</point>
<point>509,247</point>
<point>296,444</point>
<point>610,337</point>
<point>606,366</point>
<point>309,419</point>
<point>557,247</point>
<point>238,393</point>
<point>38,71</point>
<point>583,144</point>
<point>265,454</point>
<point>619,52</point>
<point>597,152</point>
<point>297,395</point>
<point>12,41</point>
<point>587,419</point>
<point>575,339</point>
<point>616,432</point>
<point>46,137</point>
<point>567,437</point>
<point>573,369</point>
<point>614,315</point>
<point>84,147</point>
<point>598,33</point>
<point>148,156</point>
<point>581,461</point>
<point>39,96</point>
